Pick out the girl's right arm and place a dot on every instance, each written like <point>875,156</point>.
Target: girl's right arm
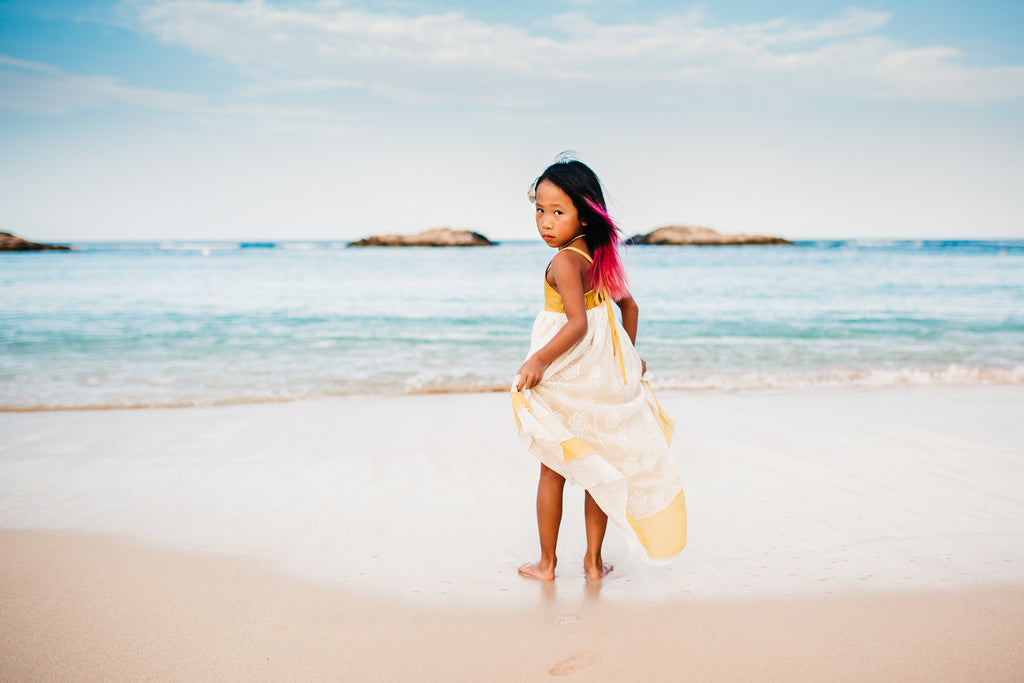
<point>568,276</point>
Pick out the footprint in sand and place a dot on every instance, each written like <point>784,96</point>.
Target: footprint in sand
<point>580,660</point>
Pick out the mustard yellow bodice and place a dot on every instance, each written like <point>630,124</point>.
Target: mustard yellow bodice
<point>553,300</point>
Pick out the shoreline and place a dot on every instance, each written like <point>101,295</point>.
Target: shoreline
<point>951,376</point>
<point>97,608</point>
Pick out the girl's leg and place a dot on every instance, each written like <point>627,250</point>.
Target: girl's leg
<point>597,523</point>
<point>549,518</point>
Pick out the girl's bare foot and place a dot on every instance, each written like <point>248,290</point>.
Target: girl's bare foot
<point>596,570</point>
<point>539,571</point>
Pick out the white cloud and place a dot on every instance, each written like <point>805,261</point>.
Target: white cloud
<point>452,58</point>
<point>853,22</point>
<point>272,86</point>
<point>36,88</point>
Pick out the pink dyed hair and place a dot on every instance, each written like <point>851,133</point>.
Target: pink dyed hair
<point>609,273</point>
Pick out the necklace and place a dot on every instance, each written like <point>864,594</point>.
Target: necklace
<point>582,234</point>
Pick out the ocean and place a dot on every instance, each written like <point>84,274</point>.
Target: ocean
<point>133,324</point>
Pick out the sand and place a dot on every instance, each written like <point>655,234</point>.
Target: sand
<point>81,607</point>
<point>840,534</point>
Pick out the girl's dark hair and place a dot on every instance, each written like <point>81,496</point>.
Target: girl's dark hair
<point>602,236</point>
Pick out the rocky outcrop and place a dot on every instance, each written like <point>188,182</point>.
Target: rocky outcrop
<point>697,236</point>
<point>438,237</point>
<point>9,242</point>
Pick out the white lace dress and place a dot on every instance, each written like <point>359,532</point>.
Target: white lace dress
<point>594,420</point>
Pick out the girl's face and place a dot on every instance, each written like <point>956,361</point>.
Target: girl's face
<point>557,219</point>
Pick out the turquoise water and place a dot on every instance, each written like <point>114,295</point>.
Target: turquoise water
<point>132,324</point>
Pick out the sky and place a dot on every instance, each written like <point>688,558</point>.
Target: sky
<point>333,120</point>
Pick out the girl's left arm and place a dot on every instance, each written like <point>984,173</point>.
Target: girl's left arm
<point>630,316</point>
<point>630,320</point>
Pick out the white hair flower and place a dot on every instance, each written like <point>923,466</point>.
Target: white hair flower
<point>531,193</point>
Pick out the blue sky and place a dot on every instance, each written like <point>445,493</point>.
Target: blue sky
<point>157,119</point>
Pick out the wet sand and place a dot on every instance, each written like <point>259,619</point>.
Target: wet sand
<point>840,534</point>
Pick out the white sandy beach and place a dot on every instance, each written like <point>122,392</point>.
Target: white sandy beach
<point>849,533</point>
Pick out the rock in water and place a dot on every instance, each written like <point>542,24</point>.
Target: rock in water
<point>9,242</point>
<point>691,234</point>
<point>438,237</point>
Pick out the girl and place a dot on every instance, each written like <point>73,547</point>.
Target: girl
<point>580,401</point>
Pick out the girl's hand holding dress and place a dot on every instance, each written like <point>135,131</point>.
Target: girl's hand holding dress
<point>531,373</point>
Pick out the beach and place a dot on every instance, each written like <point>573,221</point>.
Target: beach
<point>834,533</point>
<point>256,398</point>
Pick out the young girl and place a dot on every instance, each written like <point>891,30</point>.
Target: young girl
<point>580,401</point>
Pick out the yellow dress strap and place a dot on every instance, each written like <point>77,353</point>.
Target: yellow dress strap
<point>616,346</point>
<point>580,252</point>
